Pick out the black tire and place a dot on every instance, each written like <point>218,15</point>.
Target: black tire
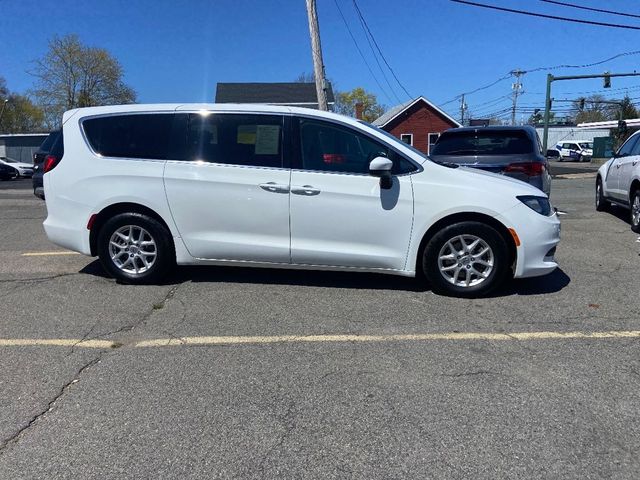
<point>602,204</point>
<point>634,217</point>
<point>160,264</point>
<point>438,243</point>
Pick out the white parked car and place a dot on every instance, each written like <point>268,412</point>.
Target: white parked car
<point>578,150</point>
<point>618,181</point>
<point>147,186</point>
<point>24,169</point>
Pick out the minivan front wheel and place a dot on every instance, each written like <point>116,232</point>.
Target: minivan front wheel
<point>466,259</point>
<point>135,248</point>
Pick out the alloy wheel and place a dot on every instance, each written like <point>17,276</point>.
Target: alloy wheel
<point>466,260</point>
<point>132,249</point>
<point>635,210</point>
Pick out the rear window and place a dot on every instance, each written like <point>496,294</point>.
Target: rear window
<point>50,140</point>
<point>499,142</point>
<point>130,136</point>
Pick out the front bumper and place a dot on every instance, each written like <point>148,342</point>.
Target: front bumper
<point>539,237</point>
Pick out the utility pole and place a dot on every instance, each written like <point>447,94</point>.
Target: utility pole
<point>316,50</point>
<point>463,108</point>
<point>516,87</point>
<point>4,104</point>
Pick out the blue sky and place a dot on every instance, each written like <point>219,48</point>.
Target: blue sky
<point>176,51</point>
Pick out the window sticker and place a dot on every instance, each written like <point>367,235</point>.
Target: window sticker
<point>267,139</point>
<point>246,134</point>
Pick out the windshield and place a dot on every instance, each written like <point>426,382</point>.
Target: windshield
<point>395,140</point>
<point>586,145</point>
<point>497,142</point>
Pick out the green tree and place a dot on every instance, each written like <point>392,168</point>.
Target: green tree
<point>19,114</point>
<point>346,104</point>
<point>72,75</point>
<point>628,109</point>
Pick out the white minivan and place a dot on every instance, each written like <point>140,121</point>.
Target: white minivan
<point>145,187</point>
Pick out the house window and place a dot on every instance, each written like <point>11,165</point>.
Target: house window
<point>433,138</point>
<point>407,138</point>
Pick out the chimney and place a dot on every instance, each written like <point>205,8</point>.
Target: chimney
<point>359,110</point>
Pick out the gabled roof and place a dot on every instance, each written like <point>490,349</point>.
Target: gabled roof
<point>291,93</point>
<point>391,114</point>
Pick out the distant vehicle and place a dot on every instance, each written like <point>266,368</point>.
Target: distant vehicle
<point>144,187</point>
<point>511,151</point>
<point>577,150</point>
<point>553,154</point>
<point>7,172</point>
<point>24,169</point>
<point>52,148</point>
<point>618,181</point>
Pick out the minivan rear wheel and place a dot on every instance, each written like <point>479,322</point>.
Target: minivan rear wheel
<point>135,248</point>
<point>466,259</point>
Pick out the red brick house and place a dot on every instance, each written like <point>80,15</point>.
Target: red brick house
<point>417,122</point>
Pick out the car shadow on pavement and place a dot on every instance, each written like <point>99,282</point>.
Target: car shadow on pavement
<point>551,283</point>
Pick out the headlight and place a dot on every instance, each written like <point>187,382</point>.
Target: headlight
<point>540,205</point>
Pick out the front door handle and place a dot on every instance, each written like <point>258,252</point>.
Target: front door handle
<point>634,162</point>
<point>274,187</point>
<point>307,190</point>
<point>617,165</point>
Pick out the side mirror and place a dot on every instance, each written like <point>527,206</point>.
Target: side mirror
<point>381,167</point>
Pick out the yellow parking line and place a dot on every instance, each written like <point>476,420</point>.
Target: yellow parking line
<point>46,254</point>
<point>56,342</point>
<point>416,337</point>
<point>274,339</point>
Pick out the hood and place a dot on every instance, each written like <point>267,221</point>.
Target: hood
<point>483,160</point>
<point>483,181</point>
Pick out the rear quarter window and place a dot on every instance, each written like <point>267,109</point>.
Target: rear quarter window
<point>130,136</point>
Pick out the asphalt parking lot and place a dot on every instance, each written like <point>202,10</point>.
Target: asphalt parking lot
<point>238,373</point>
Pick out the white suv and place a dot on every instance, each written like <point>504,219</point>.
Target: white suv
<point>618,181</point>
<point>147,186</point>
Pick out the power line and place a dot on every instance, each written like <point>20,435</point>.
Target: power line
<point>375,57</point>
<point>380,51</point>
<point>346,24</point>
<point>591,9</point>
<point>586,65</point>
<point>542,15</point>
<point>531,70</point>
<point>457,97</point>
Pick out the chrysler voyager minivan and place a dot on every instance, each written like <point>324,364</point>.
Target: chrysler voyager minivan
<point>145,187</point>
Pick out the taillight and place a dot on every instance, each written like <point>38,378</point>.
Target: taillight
<point>50,162</point>
<point>530,169</point>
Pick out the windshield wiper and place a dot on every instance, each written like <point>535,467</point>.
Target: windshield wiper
<point>444,164</point>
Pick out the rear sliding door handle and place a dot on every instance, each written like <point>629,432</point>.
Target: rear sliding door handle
<point>274,187</point>
<point>307,190</point>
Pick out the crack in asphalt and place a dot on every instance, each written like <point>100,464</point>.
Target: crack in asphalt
<point>287,422</point>
<point>39,279</point>
<point>49,406</point>
<point>469,374</point>
<point>65,387</point>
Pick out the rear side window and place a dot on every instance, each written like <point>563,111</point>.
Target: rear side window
<point>130,136</point>
<point>498,142</point>
<point>232,139</point>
